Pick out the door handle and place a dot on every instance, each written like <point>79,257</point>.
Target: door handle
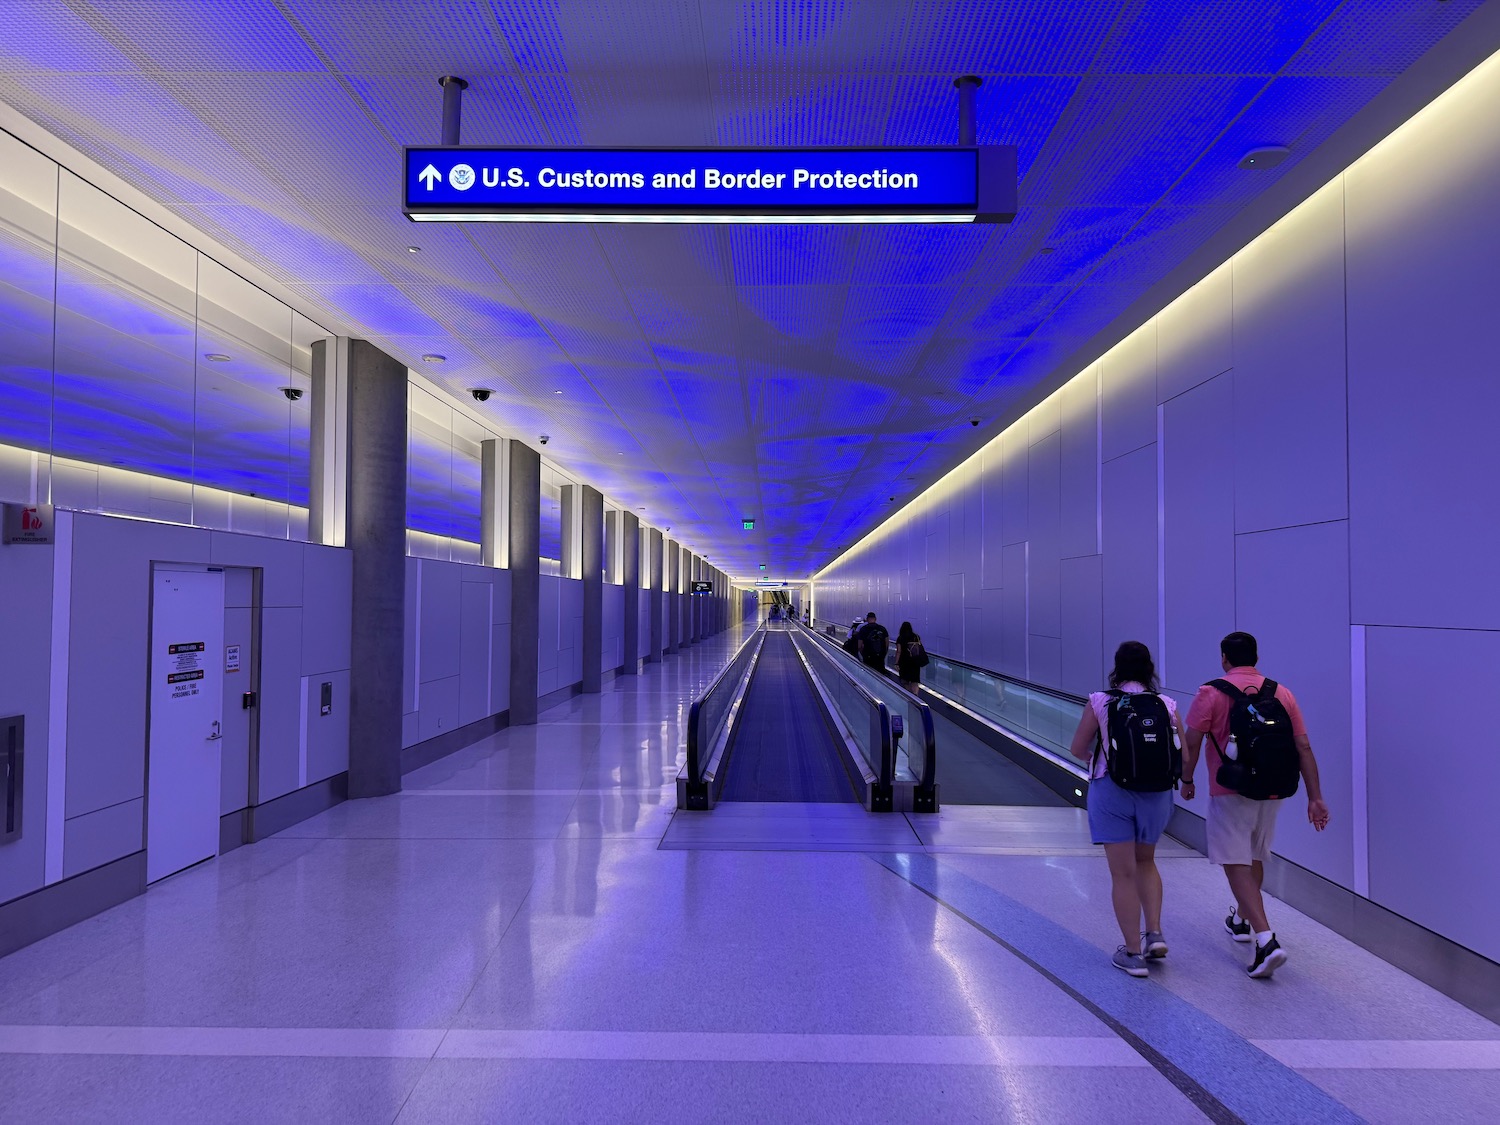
<point>218,732</point>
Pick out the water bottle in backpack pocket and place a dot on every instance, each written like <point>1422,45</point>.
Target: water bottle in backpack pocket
<point>1144,754</point>
<point>1267,765</point>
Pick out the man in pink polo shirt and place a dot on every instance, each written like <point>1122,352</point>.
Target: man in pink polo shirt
<point>1240,830</point>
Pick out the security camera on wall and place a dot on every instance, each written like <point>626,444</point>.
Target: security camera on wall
<point>292,393</point>
<point>481,394</point>
<point>973,421</point>
<point>545,438</point>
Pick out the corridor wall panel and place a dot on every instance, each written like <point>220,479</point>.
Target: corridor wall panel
<point>1194,337</point>
<point>1293,594</point>
<point>1289,427</point>
<point>1127,399</point>
<point>1433,858</point>
<point>1198,562</point>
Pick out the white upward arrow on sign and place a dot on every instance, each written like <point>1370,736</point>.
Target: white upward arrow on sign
<point>429,176</point>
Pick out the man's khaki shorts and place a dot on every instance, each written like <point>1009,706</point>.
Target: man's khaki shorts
<point>1240,830</point>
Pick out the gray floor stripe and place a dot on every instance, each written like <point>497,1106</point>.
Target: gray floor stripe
<point>1228,1078</point>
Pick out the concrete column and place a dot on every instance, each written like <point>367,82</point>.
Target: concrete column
<point>328,444</point>
<point>377,534</point>
<point>669,591</point>
<point>631,568</point>
<point>591,553</point>
<point>493,501</point>
<point>524,538</point>
<point>654,578</point>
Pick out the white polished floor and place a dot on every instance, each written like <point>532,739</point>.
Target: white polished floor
<point>530,933</point>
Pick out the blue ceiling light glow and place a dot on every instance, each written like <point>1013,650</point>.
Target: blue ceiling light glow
<point>793,371</point>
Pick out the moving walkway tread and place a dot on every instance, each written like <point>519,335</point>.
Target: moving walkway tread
<point>784,746</point>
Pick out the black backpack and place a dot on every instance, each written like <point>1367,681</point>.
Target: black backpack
<point>1267,766</point>
<point>873,639</point>
<point>1144,755</point>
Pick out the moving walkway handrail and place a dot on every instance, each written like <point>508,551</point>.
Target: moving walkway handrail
<point>881,793</point>
<point>692,784</point>
<point>924,799</point>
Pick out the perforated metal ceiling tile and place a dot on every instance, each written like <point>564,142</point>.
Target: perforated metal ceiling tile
<point>1114,150</point>
<point>1379,37</point>
<point>786,110</point>
<point>1208,37</point>
<point>843,36</point>
<point>173,36</point>
<point>50,36</point>
<point>1025,37</point>
<point>916,255</point>
<point>792,255</point>
<point>427,37</point>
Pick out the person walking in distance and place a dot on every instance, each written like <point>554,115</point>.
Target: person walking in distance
<point>1132,738</point>
<point>1257,749</point>
<point>911,657</point>
<point>874,640</point>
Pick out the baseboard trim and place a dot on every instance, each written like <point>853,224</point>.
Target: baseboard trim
<point>46,911</point>
<point>561,695</point>
<point>420,754</point>
<point>1454,970</point>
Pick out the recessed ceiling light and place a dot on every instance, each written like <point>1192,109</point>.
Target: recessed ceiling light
<point>216,357</point>
<point>433,357</point>
<point>642,508</point>
<point>413,249</point>
<point>1047,250</point>
<point>557,392</point>
<point>1259,159</point>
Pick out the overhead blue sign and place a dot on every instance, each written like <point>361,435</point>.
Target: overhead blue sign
<point>908,185</point>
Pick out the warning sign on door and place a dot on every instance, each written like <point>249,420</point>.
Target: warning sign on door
<point>185,668</point>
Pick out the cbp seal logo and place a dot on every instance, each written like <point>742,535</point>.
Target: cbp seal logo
<point>461,176</point>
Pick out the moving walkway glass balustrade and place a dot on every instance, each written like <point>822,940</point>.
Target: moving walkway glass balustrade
<point>916,750</point>
<point>709,719</point>
<point>1042,716</point>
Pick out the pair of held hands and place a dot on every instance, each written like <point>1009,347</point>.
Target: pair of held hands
<point>1317,808</point>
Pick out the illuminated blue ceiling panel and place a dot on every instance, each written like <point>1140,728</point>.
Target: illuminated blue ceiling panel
<point>803,375</point>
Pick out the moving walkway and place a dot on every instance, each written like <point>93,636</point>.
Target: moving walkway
<point>788,720</point>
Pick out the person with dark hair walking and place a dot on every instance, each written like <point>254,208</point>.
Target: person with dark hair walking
<point>873,641</point>
<point>911,657</point>
<point>1132,738</point>
<point>1257,750</point>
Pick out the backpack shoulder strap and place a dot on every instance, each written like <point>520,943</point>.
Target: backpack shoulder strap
<point>1268,688</point>
<point>1115,693</point>
<point>1226,687</point>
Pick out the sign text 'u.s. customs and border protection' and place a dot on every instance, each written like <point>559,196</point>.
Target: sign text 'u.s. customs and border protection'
<point>676,185</point>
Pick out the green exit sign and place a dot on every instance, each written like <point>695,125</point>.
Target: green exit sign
<point>748,524</point>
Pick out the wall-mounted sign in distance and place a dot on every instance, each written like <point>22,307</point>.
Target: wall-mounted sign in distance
<point>703,588</point>
<point>676,185</point>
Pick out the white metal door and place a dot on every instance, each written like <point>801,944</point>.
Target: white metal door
<point>187,718</point>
